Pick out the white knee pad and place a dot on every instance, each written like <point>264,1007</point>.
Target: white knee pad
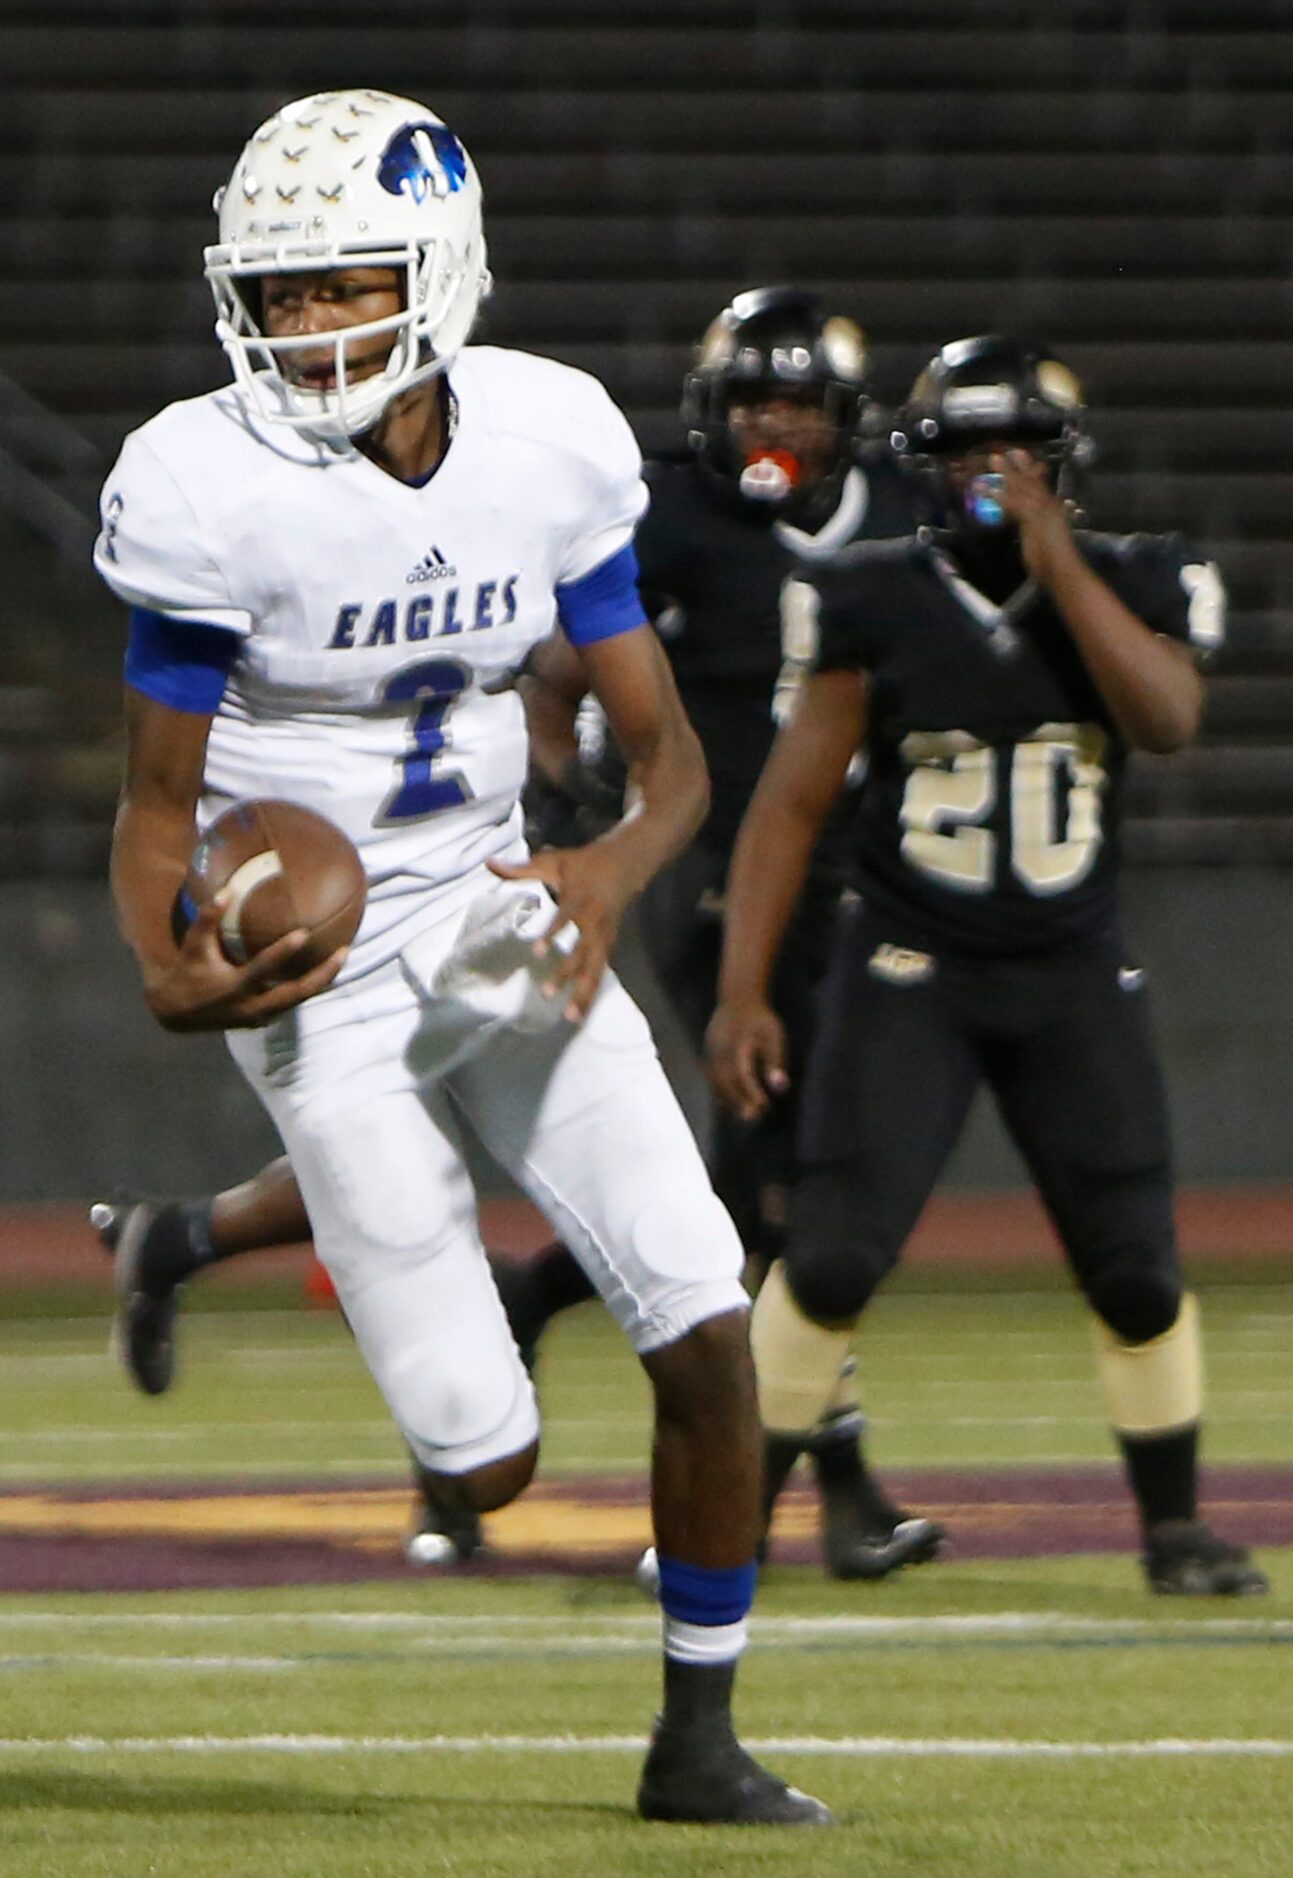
<point>475,1419</point>
<point>677,1261</point>
<point>433,1333</point>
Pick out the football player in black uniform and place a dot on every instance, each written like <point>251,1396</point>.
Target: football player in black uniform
<point>998,669</point>
<point>772,472</point>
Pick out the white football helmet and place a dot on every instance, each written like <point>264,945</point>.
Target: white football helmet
<point>349,179</point>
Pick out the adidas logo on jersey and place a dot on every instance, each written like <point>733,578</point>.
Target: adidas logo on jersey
<point>432,566</point>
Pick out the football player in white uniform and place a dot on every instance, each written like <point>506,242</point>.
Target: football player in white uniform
<point>337,568</point>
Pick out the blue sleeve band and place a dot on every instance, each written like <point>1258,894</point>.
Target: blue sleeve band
<point>603,603</point>
<point>701,1594</point>
<point>183,666</point>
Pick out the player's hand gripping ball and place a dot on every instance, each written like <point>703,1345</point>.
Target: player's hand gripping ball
<point>284,868</point>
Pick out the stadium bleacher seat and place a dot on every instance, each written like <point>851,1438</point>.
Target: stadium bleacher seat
<point>1114,174</point>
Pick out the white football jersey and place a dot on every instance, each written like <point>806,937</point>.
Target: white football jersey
<point>383,625</point>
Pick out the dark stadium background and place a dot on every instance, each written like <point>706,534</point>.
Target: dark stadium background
<point>1114,175</point>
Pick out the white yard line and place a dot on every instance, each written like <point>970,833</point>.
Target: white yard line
<point>848,1747</point>
<point>1046,1625</point>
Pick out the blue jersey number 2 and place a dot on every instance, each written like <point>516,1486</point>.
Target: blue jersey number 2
<point>433,687</point>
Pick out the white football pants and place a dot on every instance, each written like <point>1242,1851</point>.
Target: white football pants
<point>366,1084</point>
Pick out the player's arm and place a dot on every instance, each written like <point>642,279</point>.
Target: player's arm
<point>668,793</point>
<point>553,686</point>
<point>189,986</point>
<point>1149,682</point>
<point>667,796</point>
<point>745,1043</point>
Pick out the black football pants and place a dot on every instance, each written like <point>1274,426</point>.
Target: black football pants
<point>681,921</point>
<point>1062,1040</point>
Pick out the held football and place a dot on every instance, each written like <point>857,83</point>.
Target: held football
<point>287,868</point>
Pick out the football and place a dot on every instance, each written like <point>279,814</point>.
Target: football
<point>287,868</point>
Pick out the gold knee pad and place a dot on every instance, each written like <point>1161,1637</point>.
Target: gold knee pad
<point>1153,1387</point>
<point>798,1363</point>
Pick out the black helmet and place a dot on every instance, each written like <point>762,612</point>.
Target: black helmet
<point>773,339</point>
<point>986,390</point>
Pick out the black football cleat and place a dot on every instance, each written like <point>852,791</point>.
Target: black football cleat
<point>441,1534</point>
<point>1184,1558</point>
<point>145,1241</point>
<point>854,1550</point>
<point>705,1777</point>
<point>864,1535</point>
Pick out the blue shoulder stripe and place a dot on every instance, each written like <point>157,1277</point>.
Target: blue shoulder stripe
<point>180,664</point>
<point>603,603</point>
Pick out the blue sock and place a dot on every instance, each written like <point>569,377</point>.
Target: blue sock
<point>705,1608</point>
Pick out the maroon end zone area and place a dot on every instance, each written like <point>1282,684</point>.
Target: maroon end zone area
<point>1013,1513</point>
<point>1004,1513</point>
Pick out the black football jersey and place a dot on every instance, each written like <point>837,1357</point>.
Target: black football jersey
<point>988,820</point>
<point>712,568</point>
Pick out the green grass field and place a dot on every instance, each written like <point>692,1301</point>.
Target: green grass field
<point>1022,1718</point>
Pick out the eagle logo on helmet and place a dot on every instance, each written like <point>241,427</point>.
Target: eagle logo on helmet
<point>422,159</point>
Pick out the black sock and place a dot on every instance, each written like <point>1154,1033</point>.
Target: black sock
<point>535,1286</point>
<point>1162,1472</point>
<point>697,1695</point>
<point>559,1280</point>
<point>533,1289</point>
<point>176,1244</point>
<point>197,1219</point>
<point>840,1467</point>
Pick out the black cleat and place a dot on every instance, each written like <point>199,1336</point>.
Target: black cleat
<point>140,1238</point>
<point>441,1534</point>
<point>706,1777</point>
<point>1184,1558</point>
<point>854,1550</point>
<point>864,1535</point>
